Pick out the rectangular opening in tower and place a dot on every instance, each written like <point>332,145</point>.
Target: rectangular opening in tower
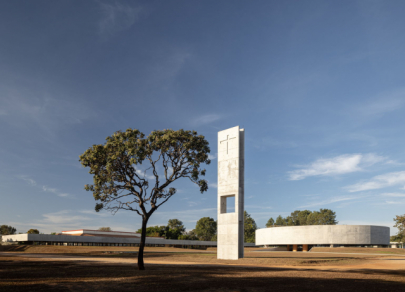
<point>228,204</point>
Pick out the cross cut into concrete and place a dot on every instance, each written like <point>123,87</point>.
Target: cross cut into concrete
<point>227,142</point>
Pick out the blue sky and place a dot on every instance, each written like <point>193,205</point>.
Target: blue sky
<point>317,85</point>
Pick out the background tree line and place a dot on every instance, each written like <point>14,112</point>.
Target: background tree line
<point>305,217</point>
<point>205,229</point>
<point>10,230</point>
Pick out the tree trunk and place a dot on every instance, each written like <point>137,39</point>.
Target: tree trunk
<point>141,265</point>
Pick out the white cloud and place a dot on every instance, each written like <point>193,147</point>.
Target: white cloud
<point>394,202</point>
<point>342,164</point>
<point>213,185</point>
<point>206,119</point>
<point>117,17</point>
<point>257,207</point>
<point>72,220</point>
<point>64,216</point>
<point>44,188</point>
<point>212,157</point>
<point>379,181</point>
<point>29,180</point>
<point>386,102</point>
<point>400,195</point>
<point>54,191</point>
<point>192,204</point>
<point>35,107</point>
<point>47,189</point>
<point>330,201</point>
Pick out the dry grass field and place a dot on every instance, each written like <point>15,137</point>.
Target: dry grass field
<point>393,251</point>
<point>49,268</point>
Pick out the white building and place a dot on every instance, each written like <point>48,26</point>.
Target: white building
<point>304,237</point>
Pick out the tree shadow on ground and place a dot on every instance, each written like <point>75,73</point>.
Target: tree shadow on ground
<point>67,276</point>
<point>13,247</point>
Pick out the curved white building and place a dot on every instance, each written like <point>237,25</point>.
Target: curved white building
<point>332,235</point>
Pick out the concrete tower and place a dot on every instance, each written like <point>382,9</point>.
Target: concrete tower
<point>231,168</point>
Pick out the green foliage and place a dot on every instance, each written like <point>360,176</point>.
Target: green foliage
<point>33,231</point>
<point>173,230</point>
<point>327,217</point>
<point>119,182</point>
<point>172,233</point>
<point>206,228</point>
<point>395,238</point>
<point>53,233</point>
<point>104,229</point>
<point>293,218</point>
<point>7,230</point>
<point>270,222</point>
<point>192,236</point>
<point>176,224</point>
<point>306,217</point>
<point>290,221</point>
<point>154,231</point>
<point>280,221</point>
<point>400,224</point>
<point>302,217</point>
<point>313,218</point>
<point>184,237</point>
<point>188,236</point>
<point>250,227</point>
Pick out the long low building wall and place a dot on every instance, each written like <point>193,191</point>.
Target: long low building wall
<point>324,235</point>
<point>47,238</point>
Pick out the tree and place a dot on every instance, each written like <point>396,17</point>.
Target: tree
<point>293,218</point>
<point>250,227</point>
<point>289,221</point>
<point>120,182</point>
<point>193,236</point>
<point>395,238</point>
<point>170,233</point>
<point>327,217</point>
<point>176,224</point>
<point>313,218</point>
<point>173,230</point>
<point>400,224</point>
<point>306,217</point>
<point>270,222</point>
<point>154,231</point>
<point>302,217</point>
<point>184,237</point>
<point>104,229</point>
<point>7,230</point>
<point>33,231</point>
<point>188,236</point>
<point>206,228</point>
<point>280,221</point>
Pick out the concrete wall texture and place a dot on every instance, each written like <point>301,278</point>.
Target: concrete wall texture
<point>324,234</point>
<point>231,165</point>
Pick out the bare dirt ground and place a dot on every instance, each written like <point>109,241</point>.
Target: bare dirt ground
<point>391,251</point>
<point>170,269</point>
